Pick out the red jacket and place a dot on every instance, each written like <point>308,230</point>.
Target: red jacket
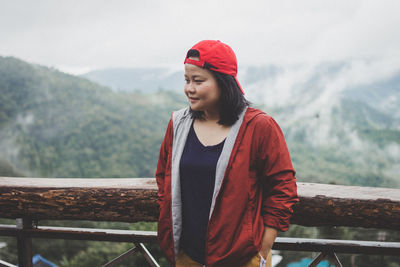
<point>255,186</point>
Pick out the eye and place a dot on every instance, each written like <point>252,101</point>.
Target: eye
<point>186,80</point>
<point>198,81</point>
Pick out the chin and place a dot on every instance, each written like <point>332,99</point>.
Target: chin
<point>195,108</point>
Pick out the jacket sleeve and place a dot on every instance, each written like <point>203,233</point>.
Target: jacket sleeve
<point>162,161</point>
<point>277,176</point>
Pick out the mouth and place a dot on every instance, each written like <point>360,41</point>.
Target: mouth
<point>193,99</point>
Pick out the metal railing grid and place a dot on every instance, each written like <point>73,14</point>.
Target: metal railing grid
<point>21,199</point>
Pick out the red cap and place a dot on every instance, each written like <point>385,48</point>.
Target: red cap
<point>216,56</point>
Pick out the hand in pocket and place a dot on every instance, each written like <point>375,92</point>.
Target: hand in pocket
<point>263,261</point>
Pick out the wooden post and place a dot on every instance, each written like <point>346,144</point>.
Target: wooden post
<point>24,243</point>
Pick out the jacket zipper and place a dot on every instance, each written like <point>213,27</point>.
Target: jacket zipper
<point>228,168</point>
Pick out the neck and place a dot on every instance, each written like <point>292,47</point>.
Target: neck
<point>211,116</point>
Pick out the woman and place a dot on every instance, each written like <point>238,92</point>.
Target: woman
<point>226,182</point>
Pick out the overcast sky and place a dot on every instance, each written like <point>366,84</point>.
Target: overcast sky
<point>77,36</point>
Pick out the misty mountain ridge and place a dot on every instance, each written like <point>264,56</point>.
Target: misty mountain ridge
<point>58,125</point>
<point>54,124</point>
<point>338,112</point>
<point>353,106</point>
<point>277,86</point>
<point>144,80</point>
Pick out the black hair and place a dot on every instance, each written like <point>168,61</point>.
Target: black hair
<point>193,53</point>
<point>231,102</point>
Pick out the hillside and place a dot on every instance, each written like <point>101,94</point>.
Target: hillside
<point>58,125</point>
<point>339,129</point>
<point>145,80</point>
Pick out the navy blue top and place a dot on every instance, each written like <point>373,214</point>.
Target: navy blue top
<point>197,174</point>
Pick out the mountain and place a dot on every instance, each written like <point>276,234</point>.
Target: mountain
<point>337,124</point>
<point>58,125</point>
<point>145,80</point>
<point>274,86</point>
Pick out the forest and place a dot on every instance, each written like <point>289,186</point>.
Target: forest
<point>57,125</point>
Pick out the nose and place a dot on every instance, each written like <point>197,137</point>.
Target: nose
<point>189,87</point>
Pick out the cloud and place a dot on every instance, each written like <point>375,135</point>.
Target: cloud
<point>99,34</point>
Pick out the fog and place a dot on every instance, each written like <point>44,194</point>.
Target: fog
<point>78,36</point>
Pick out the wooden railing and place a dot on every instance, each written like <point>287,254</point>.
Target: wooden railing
<point>131,200</point>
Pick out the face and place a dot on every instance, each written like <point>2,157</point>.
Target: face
<point>202,89</point>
